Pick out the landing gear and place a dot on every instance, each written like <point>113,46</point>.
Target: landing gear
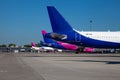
<point>80,49</point>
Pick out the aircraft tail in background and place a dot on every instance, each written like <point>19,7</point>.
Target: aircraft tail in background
<point>57,44</point>
<point>33,44</point>
<point>50,42</point>
<point>46,40</point>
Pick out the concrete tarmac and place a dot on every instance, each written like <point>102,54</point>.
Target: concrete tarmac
<point>59,66</point>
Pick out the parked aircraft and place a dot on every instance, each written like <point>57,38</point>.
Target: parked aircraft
<point>48,49</point>
<point>62,31</point>
<point>34,47</point>
<point>61,45</point>
<point>57,44</point>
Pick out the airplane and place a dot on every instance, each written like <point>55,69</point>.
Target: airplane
<point>34,47</point>
<point>57,44</point>
<point>62,31</point>
<point>48,49</point>
<point>42,49</point>
<point>61,45</point>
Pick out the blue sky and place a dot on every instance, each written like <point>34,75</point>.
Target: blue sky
<point>21,21</point>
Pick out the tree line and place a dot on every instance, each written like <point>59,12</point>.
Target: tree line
<point>14,45</point>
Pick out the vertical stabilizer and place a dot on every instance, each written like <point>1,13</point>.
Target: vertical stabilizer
<point>46,40</point>
<point>33,44</point>
<point>58,23</point>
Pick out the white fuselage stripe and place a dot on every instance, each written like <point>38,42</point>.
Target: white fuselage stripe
<point>103,36</point>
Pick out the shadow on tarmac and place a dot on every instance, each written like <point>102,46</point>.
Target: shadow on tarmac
<point>107,62</point>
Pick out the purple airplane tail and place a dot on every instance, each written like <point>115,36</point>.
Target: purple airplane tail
<point>33,44</point>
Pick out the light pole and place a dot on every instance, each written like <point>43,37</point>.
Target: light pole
<point>91,25</point>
